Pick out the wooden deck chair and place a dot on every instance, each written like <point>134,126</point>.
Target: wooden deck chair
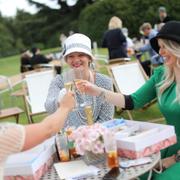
<point>37,90</point>
<point>11,110</point>
<point>127,76</point>
<point>43,66</point>
<point>119,60</point>
<point>5,84</point>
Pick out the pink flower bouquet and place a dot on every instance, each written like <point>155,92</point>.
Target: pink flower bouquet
<point>89,138</point>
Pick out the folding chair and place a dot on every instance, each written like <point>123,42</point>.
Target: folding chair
<point>5,86</point>
<point>127,76</point>
<point>37,90</point>
<point>119,60</point>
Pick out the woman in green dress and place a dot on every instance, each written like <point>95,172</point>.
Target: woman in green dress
<point>164,85</point>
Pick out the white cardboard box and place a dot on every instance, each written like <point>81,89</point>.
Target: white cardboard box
<point>31,164</point>
<point>152,139</point>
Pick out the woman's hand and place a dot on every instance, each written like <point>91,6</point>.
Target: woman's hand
<point>68,101</point>
<point>86,87</point>
<point>169,161</point>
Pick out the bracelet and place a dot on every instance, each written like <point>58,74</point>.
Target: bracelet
<point>102,95</point>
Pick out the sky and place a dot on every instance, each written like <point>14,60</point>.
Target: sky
<point>9,7</point>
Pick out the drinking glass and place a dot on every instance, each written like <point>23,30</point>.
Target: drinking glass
<point>79,74</point>
<point>69,84</point>
<point>89,114</point>
<point>68,78</point>
<point>86,101</point>
<point>111,150</point>
<point>62,146</point>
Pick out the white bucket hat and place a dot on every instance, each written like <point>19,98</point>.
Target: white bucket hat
<point>77,43</point>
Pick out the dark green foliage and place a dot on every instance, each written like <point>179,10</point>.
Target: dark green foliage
<point>94,19</point>
<point>90,17</point>
<point>6,41</point>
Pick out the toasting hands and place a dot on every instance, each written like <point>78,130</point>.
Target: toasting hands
<point>87,87</point>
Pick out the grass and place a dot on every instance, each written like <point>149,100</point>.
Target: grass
<point>10,66</point>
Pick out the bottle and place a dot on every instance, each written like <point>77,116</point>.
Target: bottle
<point>71,145</point>
<point>62,147</point>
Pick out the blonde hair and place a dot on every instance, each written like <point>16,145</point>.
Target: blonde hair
<point>169,75</point>
<point>114,23</point>
<point>144,26</point>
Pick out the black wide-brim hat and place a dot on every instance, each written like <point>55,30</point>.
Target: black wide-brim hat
<point>170,31</point>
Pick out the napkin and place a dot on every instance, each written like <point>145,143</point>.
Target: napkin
<point>62,92</point>
<point>74,170</point>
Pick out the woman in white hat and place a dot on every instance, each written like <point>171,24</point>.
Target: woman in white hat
<point>78,54</point>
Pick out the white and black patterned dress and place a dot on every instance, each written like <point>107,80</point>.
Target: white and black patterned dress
<point>102,111</point>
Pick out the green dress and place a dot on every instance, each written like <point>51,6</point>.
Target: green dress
<point>169,108</point>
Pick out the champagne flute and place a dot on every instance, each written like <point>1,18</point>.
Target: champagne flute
<point>69,85</point>
<point>79,75</point>
<point>68,80</point>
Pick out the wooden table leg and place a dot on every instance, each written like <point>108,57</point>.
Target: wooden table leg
<point>17,118</point>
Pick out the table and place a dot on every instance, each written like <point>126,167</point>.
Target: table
<point>125,174</point>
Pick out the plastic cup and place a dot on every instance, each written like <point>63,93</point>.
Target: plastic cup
<point>111,150</point>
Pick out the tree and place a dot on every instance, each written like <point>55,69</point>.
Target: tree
<point>90,17</point>
<point>94,19</point>
<point>6,41</point>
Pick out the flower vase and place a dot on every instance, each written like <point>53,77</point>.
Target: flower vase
<point>91,158</point>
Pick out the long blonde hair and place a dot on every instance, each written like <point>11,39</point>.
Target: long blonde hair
<point>169,75</point>
<point>114,23</point>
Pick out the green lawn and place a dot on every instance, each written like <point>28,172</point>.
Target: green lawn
<point>10,66</point>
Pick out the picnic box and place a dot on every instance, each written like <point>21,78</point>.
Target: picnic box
<point>31,164</point>
<point>151,139</point>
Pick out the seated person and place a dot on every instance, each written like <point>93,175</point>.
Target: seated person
<point>15,138</point>
<point>38,58</point>
<point>78,54</point>
<point>163,85</point>
<point>25,64</point>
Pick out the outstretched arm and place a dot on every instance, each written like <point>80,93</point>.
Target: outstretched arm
<point>116,99</point>
<point>36,133</point>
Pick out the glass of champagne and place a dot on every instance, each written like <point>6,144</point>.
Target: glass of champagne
<point>69,85</point>
<point>79,74</point>
<point>86,102</point>
<point>68,80</point>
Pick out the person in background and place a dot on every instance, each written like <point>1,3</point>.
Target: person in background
<point>155,59</point>
<point>163,18</point>
<point>15,138</point>
<point>25,61</point>
<point>78,54</point>
<point>130,44</point>
<point>115,40</point>
<point>62,39</point>
<point>38,58</point>
<point>164,85</point>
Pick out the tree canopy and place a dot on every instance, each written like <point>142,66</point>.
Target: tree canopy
<point>86,16</point>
